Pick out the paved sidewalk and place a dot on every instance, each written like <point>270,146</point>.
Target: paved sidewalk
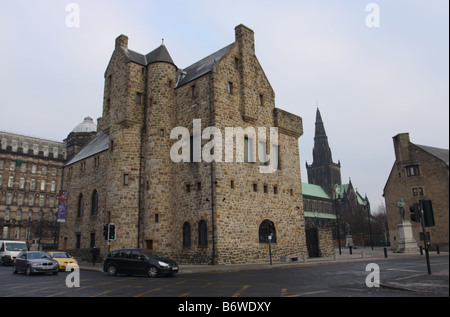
<point>436,283</point>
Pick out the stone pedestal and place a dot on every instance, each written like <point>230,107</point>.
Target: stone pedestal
<point>406,243</point>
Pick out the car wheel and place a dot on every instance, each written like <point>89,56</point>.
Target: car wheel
<point>14,270</point>
<point>152,271</point>
<point>111,270</point>
<point>28,271</point>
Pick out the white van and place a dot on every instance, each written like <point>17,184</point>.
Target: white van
<point>10,249</point>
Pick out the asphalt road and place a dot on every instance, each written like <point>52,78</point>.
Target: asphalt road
<point>331,280</point>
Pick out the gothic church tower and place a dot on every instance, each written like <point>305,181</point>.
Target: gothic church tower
<point>323,171</point>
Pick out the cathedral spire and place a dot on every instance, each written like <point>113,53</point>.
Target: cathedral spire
<point>323,171</point>
<point>321,151</point>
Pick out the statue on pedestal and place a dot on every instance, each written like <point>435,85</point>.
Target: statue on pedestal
<point>401,208</point>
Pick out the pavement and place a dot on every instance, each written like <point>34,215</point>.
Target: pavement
<point>437,283</point>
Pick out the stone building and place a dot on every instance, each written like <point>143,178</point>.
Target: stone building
<point>30,178</point>
<point>419,173</point>
<point>205,201</point>
<point>326,196</point>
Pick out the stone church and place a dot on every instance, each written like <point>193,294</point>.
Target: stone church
<point>195,211</point>
<point>326,199</point>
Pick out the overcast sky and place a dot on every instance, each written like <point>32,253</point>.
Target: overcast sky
<point>370,83</point>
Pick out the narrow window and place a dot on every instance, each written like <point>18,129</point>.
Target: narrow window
<point>255,187</point>
<point>261,100</point>
<point>80,206</point>
<point>230,87</point>
<point>126,179</point>
<point>236,63</point>
<point>94,208</point>
<point>193,91</point>
<point>186,234</point>
<point>275,190</point>
<point>202,233</point>
<point>199,185</point>
<point>188,188</point>
<point>156,218</point>
<point>265,189</point>
<point>232,184</point>
<point>138,98</point>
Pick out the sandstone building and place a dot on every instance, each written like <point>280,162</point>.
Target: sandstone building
<point>30,178</point>
<point>194,210</point>
<point>419,173</point>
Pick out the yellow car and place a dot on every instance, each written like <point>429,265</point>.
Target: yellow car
<point>65,260</point>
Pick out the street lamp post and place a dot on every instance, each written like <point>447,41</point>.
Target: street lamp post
<point>367,206</point>
<point>337,191</point>
<point>270,248</point>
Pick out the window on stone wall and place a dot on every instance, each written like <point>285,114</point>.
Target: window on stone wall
<point>267,228</point>
<point>202,233</point>
<point>186,234</point>
<point>80,206</point>
<point>94,208</point>
<point>230,87</point>
<point>412,170</point>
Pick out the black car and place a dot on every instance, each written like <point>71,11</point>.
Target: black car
<point>139,262</point>
<point>30,262</point>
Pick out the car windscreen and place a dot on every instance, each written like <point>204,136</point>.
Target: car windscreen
<point>38,255</point>
<point>60,255</point>
<point>14,246</point>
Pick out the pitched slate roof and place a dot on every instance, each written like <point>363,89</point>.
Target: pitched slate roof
<point>201,67</point>
<point>441,154</point>
<point>161,54</point>
<point>98,144</point>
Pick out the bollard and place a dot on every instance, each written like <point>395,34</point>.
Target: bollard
<point>437,250</point>
<point>350,247</point>
<point>421,250</point>
<point>385,252</point>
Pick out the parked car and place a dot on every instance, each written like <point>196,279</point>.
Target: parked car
<point>30,262</point>
<point>139,262</point>
<point>10,249</point>
<point>65,260</point>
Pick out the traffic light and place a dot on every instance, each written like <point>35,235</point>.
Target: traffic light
<point>105,232</point>
<point>428,214</point>
<point>111,231</point>
<point>415,213</point>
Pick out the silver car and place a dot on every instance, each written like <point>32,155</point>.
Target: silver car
<point>30,262</point>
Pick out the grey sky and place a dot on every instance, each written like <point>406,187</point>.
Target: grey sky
<point>369,83</point>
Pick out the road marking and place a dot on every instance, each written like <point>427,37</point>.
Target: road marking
<point>405,277</point>
<point>239,292</point>
<point>103,293</point>
<point>307,293</point>
<point>185,294</point>
<point>147,292</point>
<point>283,292</point>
